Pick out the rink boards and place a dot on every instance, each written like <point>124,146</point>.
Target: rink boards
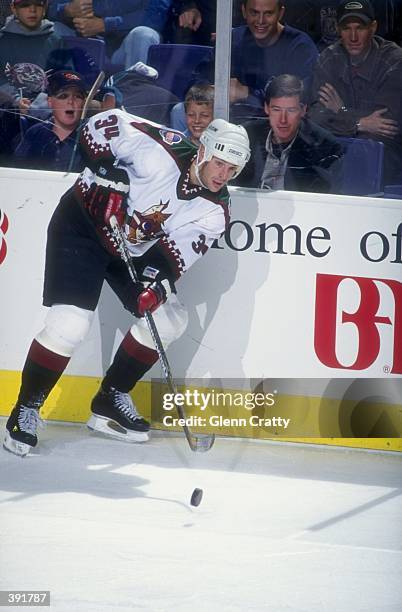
<point>303,294</point>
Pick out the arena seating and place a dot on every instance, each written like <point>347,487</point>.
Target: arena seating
<point>176,65</point>
<point>393,192</point>
<point>83,49</point>
<point>362,170</point>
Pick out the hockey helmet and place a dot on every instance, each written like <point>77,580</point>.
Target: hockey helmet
<point>226,141</point>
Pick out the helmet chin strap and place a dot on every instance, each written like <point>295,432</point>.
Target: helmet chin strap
<point>197,170</point>
<point>197,174</point>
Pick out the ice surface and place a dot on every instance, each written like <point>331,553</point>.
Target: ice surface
<point>108,526</point>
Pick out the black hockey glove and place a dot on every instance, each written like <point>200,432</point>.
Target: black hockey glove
<point>107,195</point>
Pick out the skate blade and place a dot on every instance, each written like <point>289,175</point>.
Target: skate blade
<point>17,448</point>
<point>113,430</point>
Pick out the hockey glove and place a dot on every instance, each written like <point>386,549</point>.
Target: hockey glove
<point>156,291</point>
<point>107,195</point>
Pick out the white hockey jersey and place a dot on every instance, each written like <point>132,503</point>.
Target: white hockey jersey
<point>163,206</point>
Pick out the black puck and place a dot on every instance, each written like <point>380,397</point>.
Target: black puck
<point>196,497</point>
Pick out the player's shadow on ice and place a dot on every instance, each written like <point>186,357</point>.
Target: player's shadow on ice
<point>58,466</point>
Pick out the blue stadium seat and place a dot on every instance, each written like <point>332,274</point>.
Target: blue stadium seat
<point>393,192</point>
<point>87,55</point>
<point>363,167</point>
<point>176,65</point>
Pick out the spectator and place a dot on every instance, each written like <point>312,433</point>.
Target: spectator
<point>113,20</point>
<point>27,35</point>
<point>49,145</point>
<point>318,18</point>
<point>288,151</point>
<point>158,26</point>
<point>357,84</point>
<point>178,21</point>
<point>261,49</point>
<point>199,109</point>
<point>196,22</point>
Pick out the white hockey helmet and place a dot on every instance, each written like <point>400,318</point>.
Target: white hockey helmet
<point>225,141</point>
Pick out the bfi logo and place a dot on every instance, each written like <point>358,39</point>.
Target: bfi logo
<point>3,230</point>
<point>362,325</point>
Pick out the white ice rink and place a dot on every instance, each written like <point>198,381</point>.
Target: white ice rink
<point>107,526</point>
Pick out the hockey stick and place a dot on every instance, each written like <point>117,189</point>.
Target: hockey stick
<point>91,94</point>
<point>197,442</point>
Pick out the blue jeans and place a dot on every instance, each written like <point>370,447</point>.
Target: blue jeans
<point>134,47</point>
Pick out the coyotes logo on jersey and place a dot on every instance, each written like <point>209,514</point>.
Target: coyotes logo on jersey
<point>148,224</point>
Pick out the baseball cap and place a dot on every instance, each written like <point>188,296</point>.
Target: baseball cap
<point>28,2</point>
<point>65,78</point>
<point>361,9</point>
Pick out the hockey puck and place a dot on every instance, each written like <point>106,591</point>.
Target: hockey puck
<point>196,497</point>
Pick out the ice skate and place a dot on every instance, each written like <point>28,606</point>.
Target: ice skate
<point>21,430</point>
<point>114,414</point>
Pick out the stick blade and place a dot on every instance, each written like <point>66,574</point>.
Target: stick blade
<point>201,443</point>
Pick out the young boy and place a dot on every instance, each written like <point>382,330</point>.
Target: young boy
<point>27,36</point>
<point>199,110</point>
<point>49,145</point>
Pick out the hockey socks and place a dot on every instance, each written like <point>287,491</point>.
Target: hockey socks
<point>131,362</point>
<point>42,370</point>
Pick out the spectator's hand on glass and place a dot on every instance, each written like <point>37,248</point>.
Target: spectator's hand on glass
<point>329,97</point>
<point>237,91</point>
<point>24,104</point>
<point>89,26</point>
<point>191,19</point>
<point>378,125</point>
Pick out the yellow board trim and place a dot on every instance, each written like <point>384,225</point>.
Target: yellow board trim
<point>71,398</point>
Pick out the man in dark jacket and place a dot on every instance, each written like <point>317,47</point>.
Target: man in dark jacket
<point>318,19</point>
<point>357,85</point>
<point>288,151</point>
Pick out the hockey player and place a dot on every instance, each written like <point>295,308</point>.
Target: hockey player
<point>171,200</point>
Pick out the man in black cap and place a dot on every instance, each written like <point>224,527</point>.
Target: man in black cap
<point>49,145</point>
<point>357,84</point>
